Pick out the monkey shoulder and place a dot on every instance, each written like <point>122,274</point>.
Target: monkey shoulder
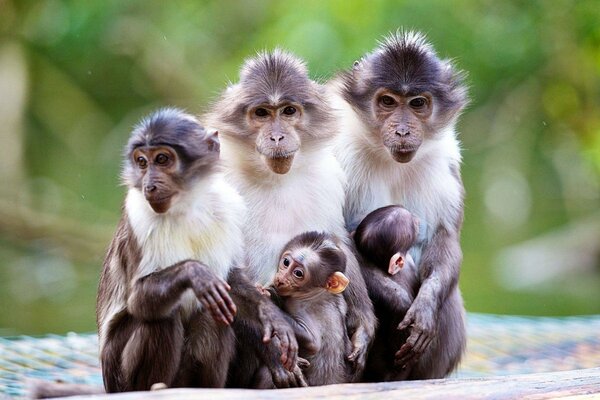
<point>204,226</point>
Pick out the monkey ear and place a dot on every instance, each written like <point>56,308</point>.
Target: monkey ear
<point>212,140</point>
<point>396,263</point>
<point>336,282</point>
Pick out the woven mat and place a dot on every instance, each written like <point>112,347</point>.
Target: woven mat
<point>497,345</point>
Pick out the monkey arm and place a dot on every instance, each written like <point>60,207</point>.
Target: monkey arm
<point>257,310</point>
<point>360,319</point>
<point>439,271</point>
<point>383,289</point>
<point>155,296</point>
<point>309,341</point>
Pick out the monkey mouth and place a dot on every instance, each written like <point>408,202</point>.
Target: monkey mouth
<point>280,164</point>
<point>403,154</point>
<point>160,205</point>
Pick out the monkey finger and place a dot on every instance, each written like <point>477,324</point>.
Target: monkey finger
<point>303,363</point>
<point>215,310</point>
<point>300,381</point>
<point>268,333</point>
<point>422,344</point>
<point>224,303</point>
<point>406,322</point>
<point>228,301</point>
<point>292,350</point>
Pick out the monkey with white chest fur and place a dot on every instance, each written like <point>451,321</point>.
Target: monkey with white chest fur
<point>277,130</point>
<point>164,275</point>
<point>398,107</point>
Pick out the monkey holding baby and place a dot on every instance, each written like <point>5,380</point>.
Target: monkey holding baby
<point>398,108</point>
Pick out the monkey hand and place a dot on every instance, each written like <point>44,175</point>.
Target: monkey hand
<point>420,323</point>
<point>360,343</point>
<point>275,325</point>
<point>212,292</point>
<point>283,378</point>
<point>263,290</point>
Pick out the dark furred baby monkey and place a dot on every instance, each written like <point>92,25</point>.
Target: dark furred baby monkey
<point>384,238</point>
<point>164,308</point>
<point>310,279</point>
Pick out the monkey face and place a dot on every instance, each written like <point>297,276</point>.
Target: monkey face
<point>276,137</point>
<point>405,93</point>
<point>292,275</point>
<point>157,168</point>
<point>402,122</point>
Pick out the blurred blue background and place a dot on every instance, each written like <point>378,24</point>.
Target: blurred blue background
<point>75,76</point>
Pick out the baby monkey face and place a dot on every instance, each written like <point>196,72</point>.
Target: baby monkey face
<point>306,270</point>
<point>293,273</point>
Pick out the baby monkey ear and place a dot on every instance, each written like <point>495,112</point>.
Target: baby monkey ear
<point>212,140</point>
<point>396,263</point>
<point>336,282</point>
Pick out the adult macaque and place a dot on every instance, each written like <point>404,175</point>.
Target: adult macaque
<point>310,279</point>
<point>277,129</point>
<point>384,238</point>
<point>164,307</point>
<point>398,106</point>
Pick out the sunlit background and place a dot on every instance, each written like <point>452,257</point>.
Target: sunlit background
<point>76,75</point>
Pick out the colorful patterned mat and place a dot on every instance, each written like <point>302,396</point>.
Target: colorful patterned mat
<point>497,345</point>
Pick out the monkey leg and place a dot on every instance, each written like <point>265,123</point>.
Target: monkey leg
<point>138,354</point>
<point>448,345</point>
<point>209,351</point>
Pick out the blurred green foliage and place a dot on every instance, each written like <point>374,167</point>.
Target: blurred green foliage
<point>75,76</point>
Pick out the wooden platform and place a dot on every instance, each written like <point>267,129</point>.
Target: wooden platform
<point>507,357</point>
<point>578,384</point>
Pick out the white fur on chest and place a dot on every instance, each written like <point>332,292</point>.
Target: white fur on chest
<point>204,225</point>
<point>308,198</point>
<point>426,185</point>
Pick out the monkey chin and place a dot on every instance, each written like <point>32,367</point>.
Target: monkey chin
<point>279,165</point>
<point>160,206</point>
<point>402,156</point>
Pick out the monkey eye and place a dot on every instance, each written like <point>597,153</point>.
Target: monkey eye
<point>289,110</point>
<point>387,100</point>
<point>141,162</point>
<point>261,112</point>
<point>286,262</point>
<point>298,273</point>
<point>418,102</point>
<point>161,159</point>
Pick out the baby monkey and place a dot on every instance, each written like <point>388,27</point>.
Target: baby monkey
<point>309,280</point>
<point>383,238</point>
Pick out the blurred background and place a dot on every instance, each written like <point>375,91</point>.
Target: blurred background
<point>75,76</point>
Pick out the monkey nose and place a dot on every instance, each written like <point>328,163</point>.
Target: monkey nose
<point>402,132</point>
<point>277,138</point>
<point>150,188</point>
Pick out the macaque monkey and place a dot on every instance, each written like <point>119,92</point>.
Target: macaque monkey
<point>398,107</point>
<point>309,280</point>
<point>164,308</point>
<point>277,129</point>
<point>384,238</point>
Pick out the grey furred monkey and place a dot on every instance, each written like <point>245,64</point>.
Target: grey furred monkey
<point>277,129</point>
<point>398,107</point>
<point>309,280</point>
<point>164,306</point>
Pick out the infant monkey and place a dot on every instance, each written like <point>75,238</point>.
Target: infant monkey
<point>383,238</point>
<point>310,279</point>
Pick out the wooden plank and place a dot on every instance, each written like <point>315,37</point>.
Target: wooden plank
<point>577,384</point>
